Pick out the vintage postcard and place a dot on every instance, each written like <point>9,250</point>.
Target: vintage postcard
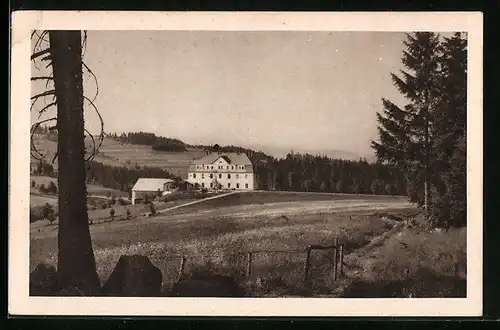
<point>246,164</point>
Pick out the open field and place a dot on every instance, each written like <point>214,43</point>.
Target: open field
<point>92,189</point>
<point>38,200</point>
<point>214,234</point>
<point>115,153</point>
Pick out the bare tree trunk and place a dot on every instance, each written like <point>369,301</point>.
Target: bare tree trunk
<point>76,263</point>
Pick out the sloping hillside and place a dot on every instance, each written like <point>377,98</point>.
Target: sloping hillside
<point>116,153</point>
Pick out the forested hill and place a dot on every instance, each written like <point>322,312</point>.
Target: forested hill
<point>158,143</point>
<point>295,171</point>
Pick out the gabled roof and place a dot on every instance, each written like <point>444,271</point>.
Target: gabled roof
<point>231,157</point>
<point>150,184</point>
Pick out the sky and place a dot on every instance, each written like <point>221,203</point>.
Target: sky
<point>306,91</point>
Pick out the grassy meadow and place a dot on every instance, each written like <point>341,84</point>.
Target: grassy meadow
<point>383,258</point>
<point>215,240</point>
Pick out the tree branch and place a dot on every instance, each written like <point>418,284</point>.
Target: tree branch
<point>46,93</point>
<point>33,130</point>
<point>40,53</point>
<point>40,112</point>
<point>101,135</point>
<point>41,78</point>
<point>95,78</point>
<point>93,146</point>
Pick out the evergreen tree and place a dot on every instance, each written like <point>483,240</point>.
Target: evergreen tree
<point>426,138</point>
<point>405,134</point>
<point>450,142</point>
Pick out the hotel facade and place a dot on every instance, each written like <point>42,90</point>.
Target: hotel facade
<point>215,171</point>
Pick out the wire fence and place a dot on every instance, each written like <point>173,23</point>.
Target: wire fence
<point>314,263</point>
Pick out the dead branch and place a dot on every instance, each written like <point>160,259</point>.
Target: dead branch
<point>93,147</point>
<point>84,43</point>
<point>52,79</point>
<point>101,134</point>
<point>46,93</point>
<point>46,58</point>
<point>95,79</point>
<point>41,78</point>
<point>33,146</point>
<point>40,112</point>
<point>40,53</point>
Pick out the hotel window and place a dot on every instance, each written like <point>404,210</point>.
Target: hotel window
<point>246,176</point>
<point>203,184</point>
<point>246,185</point>
<point>211,176</point>
<point>229,185</point>
<point>194,175</point>
<point>220,176</point>
<point>237,176</point>
<point>212,168</point>
<point>203,175</point>
<point>238,186</point>
<point>232,167</point>
<point>227,167</point>
<point>229,176</point>
<point>211,185</point>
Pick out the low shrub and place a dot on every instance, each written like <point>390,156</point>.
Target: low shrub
<point>42,212</point>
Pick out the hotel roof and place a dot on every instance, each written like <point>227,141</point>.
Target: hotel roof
<point>230,157</point>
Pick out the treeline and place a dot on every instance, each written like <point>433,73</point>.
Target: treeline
<point>426,138</point>
<point>122,178</point>
<point>304,172</point>
<point>158,143</point>
<point>315,173</point>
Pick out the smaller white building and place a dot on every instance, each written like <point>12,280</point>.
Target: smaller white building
<point>151,187</point>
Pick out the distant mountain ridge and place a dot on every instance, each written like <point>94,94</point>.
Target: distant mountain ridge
<point>273,151</point>
<point>281,152</point>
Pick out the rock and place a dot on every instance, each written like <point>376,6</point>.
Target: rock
<point>207,286</point>
<point>133,276</point>
<point>42,280</point>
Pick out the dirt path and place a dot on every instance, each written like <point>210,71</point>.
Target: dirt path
<point>196,202</point>
<point>358,263</point>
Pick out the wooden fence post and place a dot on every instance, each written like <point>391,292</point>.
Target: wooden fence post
<point>336,258</point>
<point>181,266</point>
<point>249,264</point>
<point>306,266</point>
<point>341,257</point>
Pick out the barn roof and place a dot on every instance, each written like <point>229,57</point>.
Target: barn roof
<point>150,184</point>
<point>230,157</point>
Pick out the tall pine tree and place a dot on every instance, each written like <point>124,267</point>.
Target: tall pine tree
<point>405,134</point>
<point>450,119</point>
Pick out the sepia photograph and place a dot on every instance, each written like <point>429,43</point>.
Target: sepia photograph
<point>249,163</point>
